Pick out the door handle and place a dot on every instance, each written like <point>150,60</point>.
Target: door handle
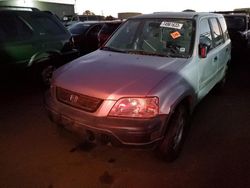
<point>216,58</point>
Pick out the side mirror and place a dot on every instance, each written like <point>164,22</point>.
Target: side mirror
<point>204,46</point>
<point>203,50</point>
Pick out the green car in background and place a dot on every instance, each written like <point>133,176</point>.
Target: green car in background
<point>34,42</point>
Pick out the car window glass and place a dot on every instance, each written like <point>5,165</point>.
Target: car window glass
<point>12,28</point>
<point>94,30</point>
<point>109,28</point>
<point>224,28</point>
<point>45,25</point>
<point>162,37</point>
<point>237,23</point>
<point>217,35</point>
<point>78,28</point>
<point>125,36</point>
<point>205,33</point>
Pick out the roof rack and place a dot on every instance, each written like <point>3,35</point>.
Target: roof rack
<point>18,8</point>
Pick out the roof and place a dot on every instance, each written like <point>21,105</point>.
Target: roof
<point>184,15</point>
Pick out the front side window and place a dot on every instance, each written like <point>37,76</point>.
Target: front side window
<point>205,33</point>
<point>160,37</point>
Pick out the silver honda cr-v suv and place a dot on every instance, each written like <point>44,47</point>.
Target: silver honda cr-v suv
<point>141,87</point>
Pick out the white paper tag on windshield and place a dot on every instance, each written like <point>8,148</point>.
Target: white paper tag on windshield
<point>173,25</point>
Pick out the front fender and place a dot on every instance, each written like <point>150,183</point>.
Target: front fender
<point>171,91</point>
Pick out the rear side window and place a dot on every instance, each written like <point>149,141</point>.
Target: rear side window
<point>45,25</point>
<point>224,28</point>
<point>216,31</point>
<point>13,28</point>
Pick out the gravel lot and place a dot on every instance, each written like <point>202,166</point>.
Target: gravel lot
<point>35,153</point>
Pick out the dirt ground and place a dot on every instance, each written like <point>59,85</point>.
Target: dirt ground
<point>34,153</point>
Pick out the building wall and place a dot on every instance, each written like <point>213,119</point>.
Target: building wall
<point>57,8</point>
<point>125,15</point>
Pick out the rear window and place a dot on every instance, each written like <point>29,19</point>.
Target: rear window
<point>78,28</point>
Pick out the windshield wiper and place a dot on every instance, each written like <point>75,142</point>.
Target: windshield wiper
<point>107,48</point>
<point>178,55</point>
<point>141,52</point>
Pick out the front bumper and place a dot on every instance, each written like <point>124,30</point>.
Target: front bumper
<point>118,131</point>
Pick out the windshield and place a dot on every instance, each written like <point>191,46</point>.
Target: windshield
<point>237,23</point>
<point>160,37</point>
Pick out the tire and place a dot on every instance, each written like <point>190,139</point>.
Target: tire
<point>170,147</point>
<point>46,74</point>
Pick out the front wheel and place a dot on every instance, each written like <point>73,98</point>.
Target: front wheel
<point>170,146</point>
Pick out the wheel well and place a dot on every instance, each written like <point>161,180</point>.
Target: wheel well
<point>187,102</point>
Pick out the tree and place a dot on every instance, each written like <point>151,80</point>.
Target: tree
<point>110,18</point>
<point>88,12</point>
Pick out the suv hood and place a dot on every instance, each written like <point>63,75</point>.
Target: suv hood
<point>112,75</point>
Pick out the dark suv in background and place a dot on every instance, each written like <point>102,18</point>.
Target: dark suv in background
<point>32,41</point>
<point>85,35</point>
<point>239,28</point>
<point>107,29</point>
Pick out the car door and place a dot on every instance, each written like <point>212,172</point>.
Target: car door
<point>208,65</point>
<point>224,45</point>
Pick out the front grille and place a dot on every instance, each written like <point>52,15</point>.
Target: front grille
<point>83,102</point>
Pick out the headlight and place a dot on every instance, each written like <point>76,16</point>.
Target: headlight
<point>136,107</point>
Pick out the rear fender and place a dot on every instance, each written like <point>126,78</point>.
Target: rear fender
<point>43,56</point>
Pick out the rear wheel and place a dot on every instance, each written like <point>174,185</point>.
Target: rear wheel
<point>171,145</point>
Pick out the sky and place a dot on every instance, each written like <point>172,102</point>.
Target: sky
<point>112,7</point>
